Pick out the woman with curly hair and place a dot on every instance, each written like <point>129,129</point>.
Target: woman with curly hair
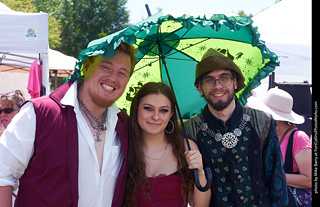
<point>159,161</point>
<point>9,107</point>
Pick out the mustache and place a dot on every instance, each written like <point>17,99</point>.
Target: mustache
<point>218,91</point>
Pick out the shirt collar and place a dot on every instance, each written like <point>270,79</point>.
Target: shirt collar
<point>214,121</point>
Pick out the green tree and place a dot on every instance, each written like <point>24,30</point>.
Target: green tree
<point>72,24</point>
<point>53,9</point>
<point>242,14</point>
<point>85,20</point>
<point>20,5</point>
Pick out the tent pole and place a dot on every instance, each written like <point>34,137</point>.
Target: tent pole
<point>55,79</point>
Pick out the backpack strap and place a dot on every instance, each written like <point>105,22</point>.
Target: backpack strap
<point>288,165</point>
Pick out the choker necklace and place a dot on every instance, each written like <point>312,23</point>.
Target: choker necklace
<point>101,125</point>
<point>230,139</point>
<point>165,151</point>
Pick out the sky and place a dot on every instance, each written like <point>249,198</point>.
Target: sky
<point>138,11</point>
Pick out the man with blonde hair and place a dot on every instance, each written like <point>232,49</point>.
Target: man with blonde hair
<point>70,148</point>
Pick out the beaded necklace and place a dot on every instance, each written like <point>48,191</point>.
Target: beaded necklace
<point>101,125</point>
<point>230,139</point>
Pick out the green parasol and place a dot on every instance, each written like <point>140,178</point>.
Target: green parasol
<point>169,48</point>
<point>183,40</point>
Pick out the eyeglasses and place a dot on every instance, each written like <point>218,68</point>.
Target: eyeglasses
<point>224,81</point>
<point>8,110</point>
<point>9,93</point>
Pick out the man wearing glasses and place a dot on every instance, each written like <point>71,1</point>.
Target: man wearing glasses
<point>240,144</point>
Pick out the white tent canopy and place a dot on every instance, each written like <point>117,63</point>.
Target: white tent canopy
<point>22,61</point>
<point>14,68</point>
<point>286,28</point>
<point>24,38</point>
<point>25,33</point>
<point>60,61</point>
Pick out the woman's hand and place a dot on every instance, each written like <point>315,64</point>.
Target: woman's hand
<point>194,160</point>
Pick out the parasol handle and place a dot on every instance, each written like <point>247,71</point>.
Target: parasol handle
<point>208,176</point>
<point>207,170</point>
<point>195,171</point>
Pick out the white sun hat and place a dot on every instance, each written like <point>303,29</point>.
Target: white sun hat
<point>278,103</point>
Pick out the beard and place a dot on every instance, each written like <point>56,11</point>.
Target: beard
<point>92,97</point>
<point>220,105</point>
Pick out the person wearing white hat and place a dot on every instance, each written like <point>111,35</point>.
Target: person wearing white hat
<point>296,150</point>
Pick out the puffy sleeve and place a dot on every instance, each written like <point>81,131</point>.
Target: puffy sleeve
<point>16,146</point>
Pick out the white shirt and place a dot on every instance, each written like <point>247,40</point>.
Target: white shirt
<point>16,150</point>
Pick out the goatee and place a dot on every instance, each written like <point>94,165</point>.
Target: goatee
<point>220,105</point>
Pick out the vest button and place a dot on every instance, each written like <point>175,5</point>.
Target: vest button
<point>257,183</point>
<point>255,152</point>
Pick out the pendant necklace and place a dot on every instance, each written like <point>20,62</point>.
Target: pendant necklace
<point>228,140</point>
<point>97,127</point>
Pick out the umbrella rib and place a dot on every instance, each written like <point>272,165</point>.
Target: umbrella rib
<point>184,59</point>
<point>172,47</point>
<point>177,40</point>
<point>187,48</point>
<point>161,39</point>
<point>167,57</point>
<point>156,58</point>
<point>151,46</point>
<point>146,65</point>
<point>160,55</point>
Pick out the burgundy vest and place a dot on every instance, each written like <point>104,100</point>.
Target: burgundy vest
<point>51,178</point>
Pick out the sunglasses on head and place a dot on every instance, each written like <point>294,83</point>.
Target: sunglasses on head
<point>9,93</point>
<point>13,93</point>
<point>8,110</point>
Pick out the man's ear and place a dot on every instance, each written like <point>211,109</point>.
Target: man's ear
<point>198,87</point>
<point>235,84</point>
<point>85,67</point>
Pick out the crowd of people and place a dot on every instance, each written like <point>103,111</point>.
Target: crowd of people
<point>75,147</point>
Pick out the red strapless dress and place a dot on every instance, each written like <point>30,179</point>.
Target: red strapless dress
<point>165,191</point>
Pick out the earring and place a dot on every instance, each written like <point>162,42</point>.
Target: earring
<point>169,132</point>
